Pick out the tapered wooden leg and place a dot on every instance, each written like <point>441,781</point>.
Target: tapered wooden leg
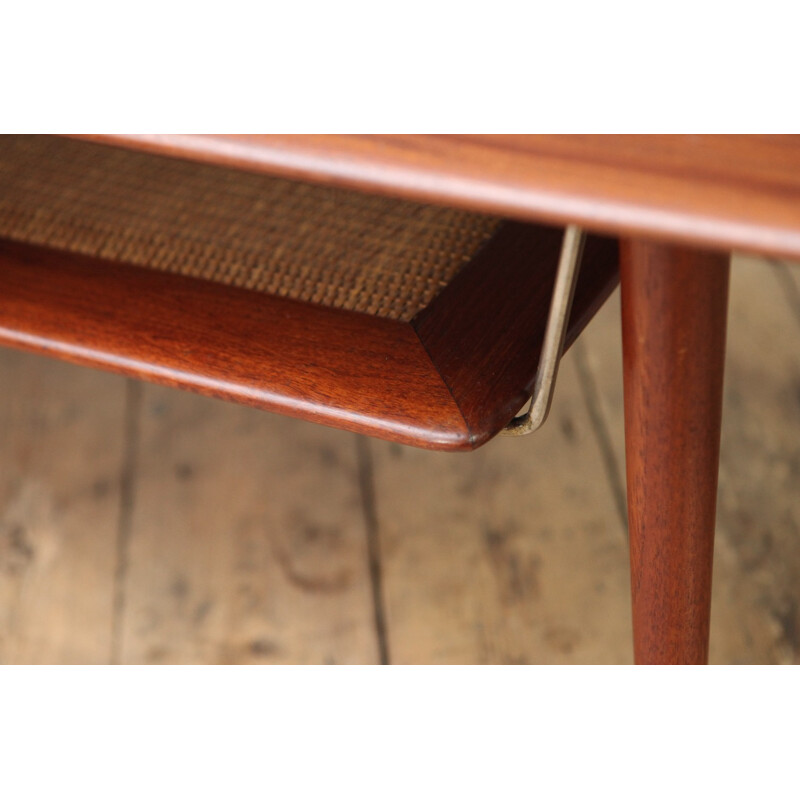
<point>674,312</point>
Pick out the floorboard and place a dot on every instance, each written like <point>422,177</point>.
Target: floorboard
<point>61,455</point>
<point>144,525</point>
<point>247,540</point>
<point>515,554</point>
<point>754,613</point>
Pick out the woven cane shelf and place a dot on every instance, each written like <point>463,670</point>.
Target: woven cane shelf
<point>411,322</point>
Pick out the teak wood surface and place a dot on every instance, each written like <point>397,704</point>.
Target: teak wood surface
<point>444,381</point>
<point>707,194</point>
<point>243,534</point>
<point>674,314</point>
<point>722,192</point>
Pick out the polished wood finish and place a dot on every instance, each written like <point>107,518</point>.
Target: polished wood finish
<point>349,370</point>
<point>724,192</point>
<point>697,195</point>
<point>674,311</point>
<point>486,330</point>
<point>354,371</point>
<point>513,554</point>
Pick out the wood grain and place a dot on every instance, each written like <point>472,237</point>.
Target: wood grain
<point>513,555</point>
<point>674,311</point>
<point>354,371</point>
<point>485,331</point>
<point>754,612</point>
<point>724,192</point>
<point>350,370</point>
<point>758,513</point>
<point>247,540</point>
<point>61,459</point>
<point>452,598</point>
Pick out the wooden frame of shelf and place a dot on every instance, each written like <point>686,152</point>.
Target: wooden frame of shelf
<point>450,379</point>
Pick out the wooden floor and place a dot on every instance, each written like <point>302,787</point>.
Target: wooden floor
<point>144,525</point>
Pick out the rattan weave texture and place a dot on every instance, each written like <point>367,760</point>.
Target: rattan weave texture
<point>323,245</point>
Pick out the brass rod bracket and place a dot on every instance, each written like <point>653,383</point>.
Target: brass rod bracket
<point>555,333</point>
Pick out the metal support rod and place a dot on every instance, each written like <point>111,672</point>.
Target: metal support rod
<point>555,333</point>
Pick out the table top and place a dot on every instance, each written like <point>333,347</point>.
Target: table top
<point>723,192</point>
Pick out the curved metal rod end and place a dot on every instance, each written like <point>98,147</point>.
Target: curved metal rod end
<point>555,333</point>
<point>523,424</point>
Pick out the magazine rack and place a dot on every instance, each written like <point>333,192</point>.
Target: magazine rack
<point>414,323</point>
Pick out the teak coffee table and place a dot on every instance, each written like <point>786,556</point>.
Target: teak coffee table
<point>402,288</point>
